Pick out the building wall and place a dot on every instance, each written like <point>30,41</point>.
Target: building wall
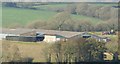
<point>108,56</point>
<point>3,36</point>
<point>49,38</point>
<point>52,38</point>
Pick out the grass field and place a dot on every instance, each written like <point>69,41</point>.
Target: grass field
<point>23,16</point>
<point>29,49</point>
<point>45,7</point>
<point>66,4</point>
<point>11,16</point>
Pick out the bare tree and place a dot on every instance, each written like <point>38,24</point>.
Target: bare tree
<point>11,53</point>
<point>37,24</point>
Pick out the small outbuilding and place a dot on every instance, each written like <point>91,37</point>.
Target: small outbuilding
<point>50,38</point>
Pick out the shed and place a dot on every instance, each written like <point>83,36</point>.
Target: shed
<point>89,35</point>
<point>12,32</point>
<point>50,38</point>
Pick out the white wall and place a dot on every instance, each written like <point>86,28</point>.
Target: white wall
<point>49,39</point>
<point>2,36</point>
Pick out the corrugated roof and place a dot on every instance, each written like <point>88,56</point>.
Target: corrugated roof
<point>88,34</point>
<point>15,31</point>
<point>66,34</point>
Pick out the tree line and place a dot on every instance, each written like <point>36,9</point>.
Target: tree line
<point>104,12</point>
<point>75,50</point>
<point>64,21</point>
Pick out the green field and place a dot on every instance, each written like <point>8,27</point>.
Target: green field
<point>52,5</point>
<point>23,16</point>
<point>45,7</point>
<point>11,16</point>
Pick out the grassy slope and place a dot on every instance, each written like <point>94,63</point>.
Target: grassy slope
<point>50,6</point>
<point>0,15</point>
<point>23,16</point>
<point>91,19</point>
<point>112,4</point>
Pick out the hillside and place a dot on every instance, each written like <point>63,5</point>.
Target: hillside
<point>13,16</point>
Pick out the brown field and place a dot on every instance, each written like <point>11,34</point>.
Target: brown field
<point>32,50</point>
<point>0,48</point>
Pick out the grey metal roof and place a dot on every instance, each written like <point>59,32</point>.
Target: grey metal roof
<point>88,34</point>
<point>66,34</point>
<point>15,31</point>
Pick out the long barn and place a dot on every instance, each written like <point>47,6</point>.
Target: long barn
<point>48,36</point>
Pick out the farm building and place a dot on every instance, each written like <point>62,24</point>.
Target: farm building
<point>9,32</point>
<point>25,38</point>
<point>12,32</point>
<point>89,35</point>
<point>54,35</point>
<point>53,38</point>
<point>48,35</point>
<point>108,56</point>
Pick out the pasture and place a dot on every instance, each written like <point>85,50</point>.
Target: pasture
<point>11,16</point>
<point>28,49</point>
<point>23,16</point>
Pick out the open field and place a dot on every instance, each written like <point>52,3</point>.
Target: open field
<point>13,16</point>
<point>23,16</point>
<point>30,49</point>
<point>46,7</point>
<point>49,5</point>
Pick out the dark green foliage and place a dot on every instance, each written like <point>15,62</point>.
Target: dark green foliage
<point>9,4</point>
